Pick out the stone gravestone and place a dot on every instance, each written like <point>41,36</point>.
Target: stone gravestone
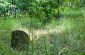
<point>19,40</point>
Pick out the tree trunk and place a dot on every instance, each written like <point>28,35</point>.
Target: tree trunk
<point>58,9</point>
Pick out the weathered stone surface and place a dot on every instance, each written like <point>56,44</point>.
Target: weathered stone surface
<point>19,40</point>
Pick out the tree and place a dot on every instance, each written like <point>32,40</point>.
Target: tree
<point>45,9</point>
<point>4,5</point>
<point>6,8</point>
<point>22,4</point>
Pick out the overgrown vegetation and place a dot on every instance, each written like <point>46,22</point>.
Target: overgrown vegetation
<point>57,27</point>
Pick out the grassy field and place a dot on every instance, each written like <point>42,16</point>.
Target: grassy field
<point>65,36</point>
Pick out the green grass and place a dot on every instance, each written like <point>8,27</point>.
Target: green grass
<point>60,37</point>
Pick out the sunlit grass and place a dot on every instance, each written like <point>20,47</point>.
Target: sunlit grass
<point>65,36</point>
<point>9,24</point>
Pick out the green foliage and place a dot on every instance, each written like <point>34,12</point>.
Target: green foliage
<point>81,3</point>
<point>65,36</point>
<point>22,4</point>
<point>3,6</point>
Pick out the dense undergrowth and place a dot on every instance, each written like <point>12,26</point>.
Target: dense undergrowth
<point>64,36</point>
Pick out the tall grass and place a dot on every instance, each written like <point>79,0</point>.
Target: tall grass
<point>63,37</point>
